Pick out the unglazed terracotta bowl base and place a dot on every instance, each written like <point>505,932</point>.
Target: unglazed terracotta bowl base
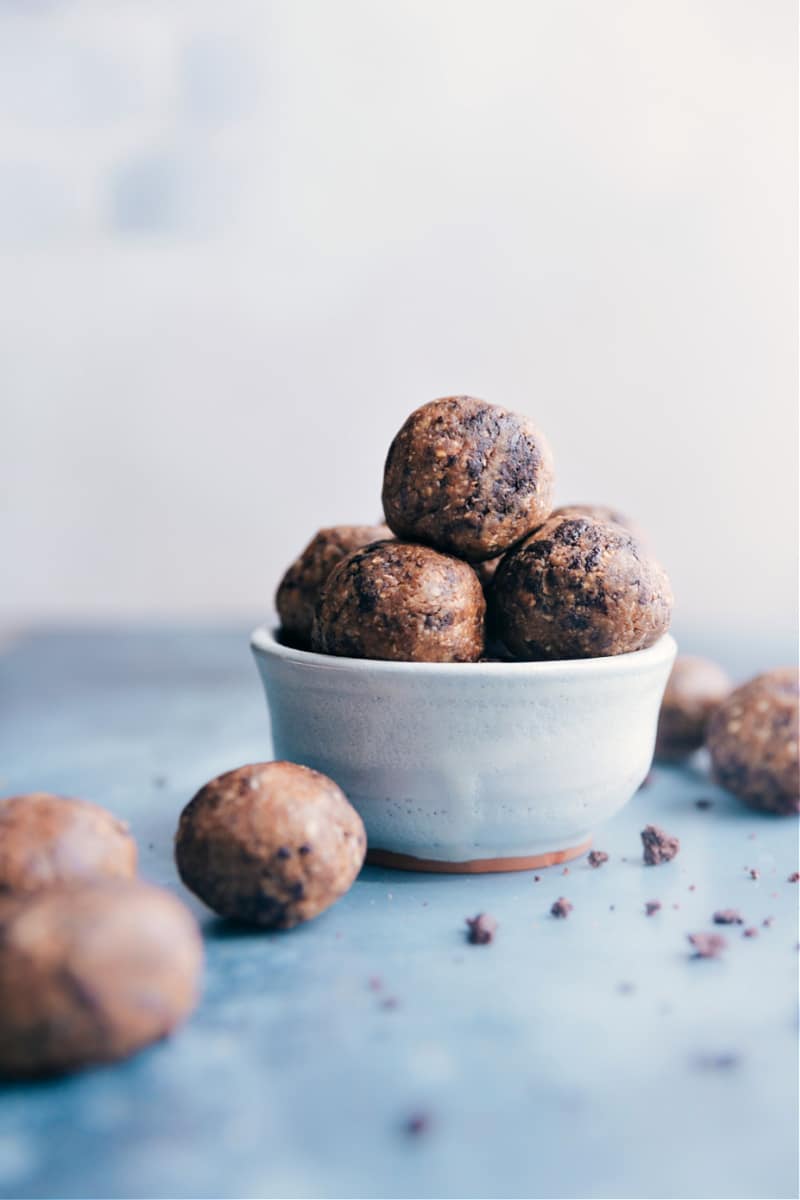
<point>475,866</point>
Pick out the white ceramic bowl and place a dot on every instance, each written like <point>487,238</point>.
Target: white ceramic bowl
<point>470,766</point>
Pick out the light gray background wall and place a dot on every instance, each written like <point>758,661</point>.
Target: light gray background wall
<point>240,241</point>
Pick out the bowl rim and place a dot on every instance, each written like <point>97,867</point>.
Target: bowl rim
<point>264,642</point>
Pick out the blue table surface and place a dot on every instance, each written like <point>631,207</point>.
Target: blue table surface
<point>577,1058</point>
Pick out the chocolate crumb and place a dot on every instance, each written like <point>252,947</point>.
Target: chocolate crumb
<point>794,877</point>
<point>596,858</point>
<point>565,871</point>
<point>707,945</point>
<point>692,887</point>
<point>537,879</point>
<point>481,929</point>
<point>703,803</point>
<point>561,908</point>
<point>651,907</point>
<point>418,1123</point>
<point>750,932</point>
<point>754,873</point>
<point>767,922</point>
<point>658,846</point>
<point>727,916</point>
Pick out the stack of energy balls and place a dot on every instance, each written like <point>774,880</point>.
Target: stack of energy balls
<point>474,559</point>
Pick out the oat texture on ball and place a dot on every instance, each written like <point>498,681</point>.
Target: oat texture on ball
<point>696,687</point>
<point>401,601</point>
<point>300,587</point>
<point>467,477</point>
<point>579,588</point>
<point>602,512</point>
<point>753,742</point>
<point>270,844</point>
<point>47,839</point>
<point>91,973</point>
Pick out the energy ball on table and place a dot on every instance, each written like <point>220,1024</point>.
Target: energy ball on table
<point>299,589</point>
<point>579,588</point>
<point>467,477</point>
<point>92,972</point>
<point>695,688</point>
<point>46,840</point>
<point>403,602</point>
<point>752,739</point>
<point>271,844</point>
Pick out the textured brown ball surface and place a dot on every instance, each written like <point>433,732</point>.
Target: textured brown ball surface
<point>579,588</point>
<point>752,739</point>
<point>404,602</point>
<point>467,477</point>
<point>92,972</point>
<point>46,840</point>
<point>300,587</point>
<point>601,512</point>
<point>270,844</point>
<point>696,686</point>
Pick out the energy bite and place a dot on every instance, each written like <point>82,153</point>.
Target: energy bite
<point>300,587</point>
<point>753,738</point>
<point>579,588</point>
<point>270,844</point>
<point>601,512</point>
<point>47,840</point>
<point>468,477</point>
<point>399,601</point>
<point>695,688</point>
<point>92,972</point>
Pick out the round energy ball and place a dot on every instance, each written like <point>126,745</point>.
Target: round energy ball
<point>404,602</point>
<point>92,972</point>
<point>46,840</point>
<point>695,688</point>
<point>579,588</point>
<point>299,589</point>
<point>270,844</point>
<point>752,739</point>
<point>467,477</point>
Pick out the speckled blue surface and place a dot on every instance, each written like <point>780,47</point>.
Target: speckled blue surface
<point>578,1058</point>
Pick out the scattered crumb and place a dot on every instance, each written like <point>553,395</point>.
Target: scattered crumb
<point>565,871</point>
<point>612,908</point>
<point>703,803</point>
<point>692,887</point>
<point>754,873</point>
<point>707,945</point>
<point>676,906</point>
<point>560,908</point>
<point>537,879</point>
<point>159,781</point>
<point>659,847</point>
<point>794,877</point>
<point>625,988</point>
<point>750,932</point>
<point>767,922</point>
<point>651,907</point>
<point>375,983</point>
<point>418,1123</point>
<point>727,916</point>
<point>481,929</point>
<point>390,1002</point>
<point>596,858</point>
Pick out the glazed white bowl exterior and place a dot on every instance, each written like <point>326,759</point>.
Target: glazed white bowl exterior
<point>461,761</point>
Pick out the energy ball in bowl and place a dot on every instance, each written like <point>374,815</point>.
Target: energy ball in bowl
<point>270,844</point>
<point>695,688</point>
<point>752,739</point>
<point>46,840</point>
<point>467,477</point>
<point>92,972</point>
<point>579,588</point>
<point>299,589</point>
<point>404,602</point>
